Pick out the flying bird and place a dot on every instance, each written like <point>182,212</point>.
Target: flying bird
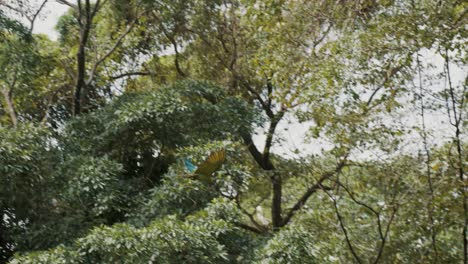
<point>205,170</point>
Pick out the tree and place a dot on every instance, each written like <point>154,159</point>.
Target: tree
<point>84,19</point>
<point>134,88</point>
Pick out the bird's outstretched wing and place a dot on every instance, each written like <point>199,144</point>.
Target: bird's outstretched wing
<point>205,170</point>
<point>211,165</point>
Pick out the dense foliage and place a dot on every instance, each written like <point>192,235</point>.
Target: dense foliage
<point>95,127</point>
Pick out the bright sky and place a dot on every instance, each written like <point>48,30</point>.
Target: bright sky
<point>46,22</point>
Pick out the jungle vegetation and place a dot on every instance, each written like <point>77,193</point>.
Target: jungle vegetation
<point>95,127</point>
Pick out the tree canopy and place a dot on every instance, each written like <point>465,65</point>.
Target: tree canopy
<point>98,126</point>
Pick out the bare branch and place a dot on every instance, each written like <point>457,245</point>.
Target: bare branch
<point>343,227</point>
<point>427,161</point>
<point>382,234</point>
<point>67,3</point>
<point>311,190</point>
<point>127,74</point>
<point>33,18</point>
<point>460,156</point>
<point>385,235</point>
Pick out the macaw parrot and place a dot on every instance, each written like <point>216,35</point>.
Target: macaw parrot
<point>205,170</point>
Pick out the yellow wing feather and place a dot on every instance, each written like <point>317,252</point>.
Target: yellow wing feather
<point>211,165</point>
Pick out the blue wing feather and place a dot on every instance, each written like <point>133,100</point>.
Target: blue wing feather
<point>189,165</point>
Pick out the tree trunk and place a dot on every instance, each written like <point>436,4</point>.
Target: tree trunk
<point>276,218</point>
<point>85,26</point>
<point>263,160</point>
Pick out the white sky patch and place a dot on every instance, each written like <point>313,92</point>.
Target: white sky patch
<point>45,24</point>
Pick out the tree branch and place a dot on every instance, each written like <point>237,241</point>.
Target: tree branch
<point>111,50</point>
<point>248,227</point>
<point>258,226</point>
<point>390,73</point>
<point>460,156</point>
<point>85,28</point>
<point>33,19</point>
<point>8,95</point>
<point>67,3</point>
<point>10,107</point>
<point>271,132</point>
<point>343,228</point>
<point>256,154</point>
<point>427,161</point>
<point>257,96</point>
<point>127,74</point>
<point>317,186</point>
<point>384,236</point>
<point>176,50</point>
